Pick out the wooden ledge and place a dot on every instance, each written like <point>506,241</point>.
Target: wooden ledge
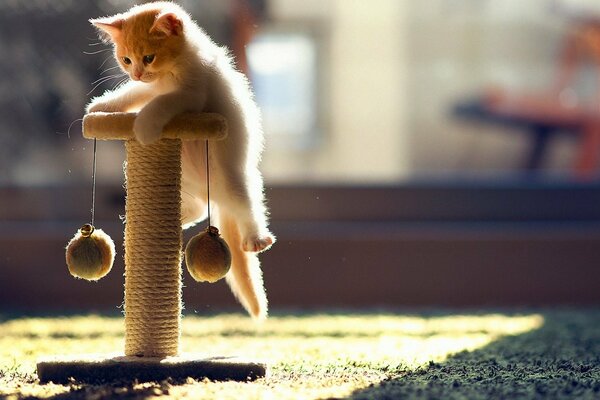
<point>186,126</point>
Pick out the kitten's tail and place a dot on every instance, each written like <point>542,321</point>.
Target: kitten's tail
<point>245,276</point>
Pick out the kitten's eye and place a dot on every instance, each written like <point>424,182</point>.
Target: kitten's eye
<point>126,60</point>
<point>148,59</point>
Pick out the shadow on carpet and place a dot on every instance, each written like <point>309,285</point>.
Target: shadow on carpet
<point>560,360</point>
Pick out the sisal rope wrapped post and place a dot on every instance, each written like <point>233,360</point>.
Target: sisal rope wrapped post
<point>153,240</point>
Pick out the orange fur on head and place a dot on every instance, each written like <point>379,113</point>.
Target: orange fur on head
<point>147,40</point>
<point>169,24</point>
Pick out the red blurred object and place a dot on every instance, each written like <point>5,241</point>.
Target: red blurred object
<point>545,113</point>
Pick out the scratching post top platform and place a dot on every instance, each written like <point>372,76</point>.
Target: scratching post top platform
<point>186,126</point>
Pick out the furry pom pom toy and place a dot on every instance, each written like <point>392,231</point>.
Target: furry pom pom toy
<point>207,256</point>
<point>90,254</point>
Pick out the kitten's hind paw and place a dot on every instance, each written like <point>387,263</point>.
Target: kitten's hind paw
<point>257,243</point>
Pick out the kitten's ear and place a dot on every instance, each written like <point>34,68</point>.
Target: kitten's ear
<point>108,28</point>
<point>168,24</point>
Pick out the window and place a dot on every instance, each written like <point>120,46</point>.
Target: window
<point>283,68</point>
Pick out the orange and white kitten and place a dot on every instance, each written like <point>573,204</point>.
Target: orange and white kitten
<point>174,67</point>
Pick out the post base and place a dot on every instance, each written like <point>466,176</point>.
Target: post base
<point>98,368</point>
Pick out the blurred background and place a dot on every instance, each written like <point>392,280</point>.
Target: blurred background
<point>437,153</point>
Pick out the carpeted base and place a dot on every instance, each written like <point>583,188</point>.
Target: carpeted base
<point>93,369</point>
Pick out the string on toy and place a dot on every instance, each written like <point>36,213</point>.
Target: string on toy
<point>208,185</point>
<point>93,185</point>
<point>87,229</point>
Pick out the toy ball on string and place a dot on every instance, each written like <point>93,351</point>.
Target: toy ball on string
<point>90,254</point>
<point>207,256</point>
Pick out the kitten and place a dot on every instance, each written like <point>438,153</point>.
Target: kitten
<point>174,67</point>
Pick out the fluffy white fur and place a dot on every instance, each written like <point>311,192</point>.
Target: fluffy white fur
<point>199,76</point>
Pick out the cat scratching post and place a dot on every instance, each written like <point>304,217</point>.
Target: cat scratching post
<point>153,244</point>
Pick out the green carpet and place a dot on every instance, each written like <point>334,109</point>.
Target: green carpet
<point>560,360</point>
<point>488,355</point>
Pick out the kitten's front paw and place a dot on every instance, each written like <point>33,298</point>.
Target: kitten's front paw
<point>258,243</point>
<point>99,107</point>
<point>146,130</point>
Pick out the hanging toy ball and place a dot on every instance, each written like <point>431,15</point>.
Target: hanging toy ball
<point>207,256</point>
<point>90,254</point>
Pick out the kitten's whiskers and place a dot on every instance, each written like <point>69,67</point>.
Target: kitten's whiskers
<point>105,78</point>
<point>95,43</point>
<point>71,125</point>
<point>108,69</point>
<point>122,81</point>
<point>96,52</point>
<point>105,61</point>
<point>102,80</point>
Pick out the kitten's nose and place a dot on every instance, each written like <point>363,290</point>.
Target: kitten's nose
<point>137,75</point>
